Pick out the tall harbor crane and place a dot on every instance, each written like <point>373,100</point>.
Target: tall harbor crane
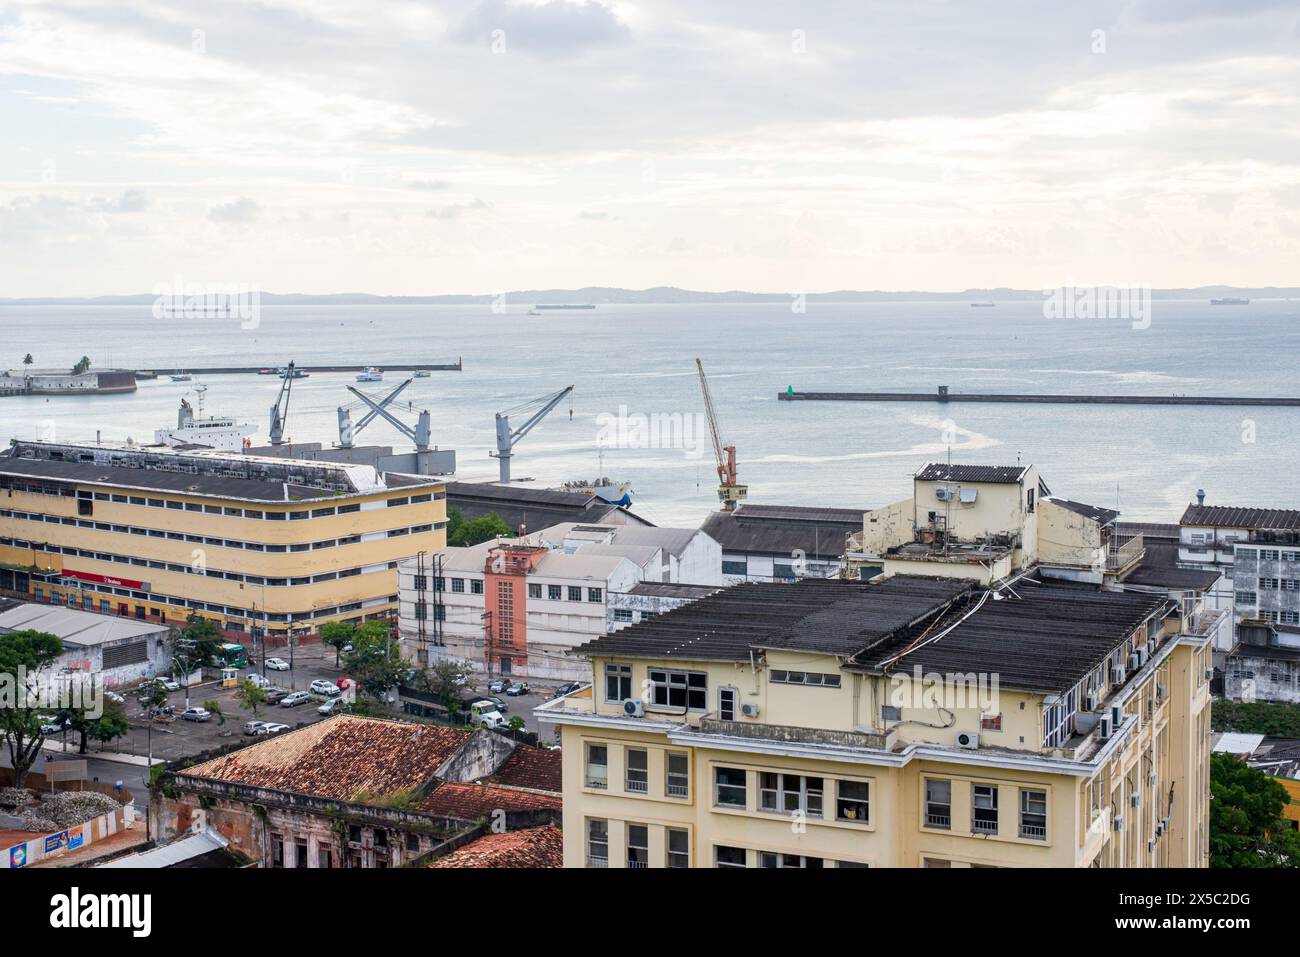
<point>729,490</point>
<point>280,411</point>
<point>506,438</point>
<point>379,409</point>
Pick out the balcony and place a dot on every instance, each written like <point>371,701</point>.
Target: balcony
<point>792,734</point>
<point>679,790</point>
<point>943,821</point>
<point>980,825</point>
<point>1034,832</point>
<point>1123,555</point>
<point>597,781</point>
<point>594,860</point>
<point>636,786</point>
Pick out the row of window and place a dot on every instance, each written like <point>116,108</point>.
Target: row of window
<point>636,768</point>
<point>200,570</point>
<point>232,543</point>
<point>1264,555</point>
<point>677,850</point>
<point>984,809</point>
<point>82,495</point>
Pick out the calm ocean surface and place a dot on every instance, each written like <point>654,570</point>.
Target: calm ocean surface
<point>640,359</point>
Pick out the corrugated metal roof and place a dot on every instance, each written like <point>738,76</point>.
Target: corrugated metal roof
<point>1097,513</point>
<point>997,474</point>
<point>74,626</point>
<point>755,532</point>
<point>1231,516</point>
<point>177,852</point>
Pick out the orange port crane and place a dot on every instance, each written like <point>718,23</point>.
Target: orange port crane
<point>729,490</point>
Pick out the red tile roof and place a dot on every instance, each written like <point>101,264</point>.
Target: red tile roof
<point>529,847</point>
<point>344,758</point>
<point>537,768</point>
<point>469,802</point>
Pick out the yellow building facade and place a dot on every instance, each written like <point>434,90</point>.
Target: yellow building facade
<point>279,544</point>
<point>910,722</point>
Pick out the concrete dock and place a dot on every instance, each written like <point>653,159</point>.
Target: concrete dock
<point>943,395</point>
<point>456,366</point>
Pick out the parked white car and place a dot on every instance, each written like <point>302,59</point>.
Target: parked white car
<point>259,681</point>
<point>277,664</point>
<point>272,728</point>
<point>295,699</point>
<point>327,688</point>
<point>196,714</point>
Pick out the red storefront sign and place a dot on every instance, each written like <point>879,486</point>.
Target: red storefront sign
<point>104,580</point>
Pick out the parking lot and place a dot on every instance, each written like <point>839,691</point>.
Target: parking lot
<point>179,739</point>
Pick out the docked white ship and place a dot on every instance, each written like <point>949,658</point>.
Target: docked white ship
<point>616,493</point>
<point>215,431</point>
<point>371,374</point>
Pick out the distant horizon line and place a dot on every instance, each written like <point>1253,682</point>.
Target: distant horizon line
<point>651,295</point>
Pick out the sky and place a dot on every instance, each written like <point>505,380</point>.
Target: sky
<point>404,147</point>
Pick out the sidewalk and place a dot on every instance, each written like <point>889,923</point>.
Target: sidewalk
<point>117,757</point>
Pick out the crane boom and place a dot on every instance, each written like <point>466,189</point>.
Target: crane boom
<point>729,490</point>
<point>508,438</point>
<point>280,411</point>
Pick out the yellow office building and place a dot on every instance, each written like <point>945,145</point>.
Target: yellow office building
<point>160,534</point>
<point>906,722</point>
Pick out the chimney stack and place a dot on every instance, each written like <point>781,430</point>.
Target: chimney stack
<point>1200,496</point>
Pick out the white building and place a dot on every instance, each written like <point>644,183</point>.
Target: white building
<point>519,606</point>
<point>121,651</point>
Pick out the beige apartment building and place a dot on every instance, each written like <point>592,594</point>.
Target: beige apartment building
<point>159,534</point>
<point>904,722</point>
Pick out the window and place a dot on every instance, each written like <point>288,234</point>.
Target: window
<point>597,766</point>
<point>638,770</point>
<point>1029,500</point>
<point>476,586</point>
<point>935,862</point>
<point>575,593</point>
<point>534,590</point>
<point>677,774</point>
<point>594,594</point>
<point>852,801</point>
<point>728,856</point>
<point>300,854</point>
<point>458,584</point>
<point>679,848</point>
<point>680,689</point>
<point>938,804</point>
<point>413,844</point>
<point>984,809</point>
<point>727,704</point>
<point>622,614</point>
<point>277,851</point>
<point>789,794</point>
<point>773,859</point>
<point>597,843</point>
<point>1033,815</point>
<point>990,722</point>
<point>735,568</point>
<point>553,592</point>
<point>1247,598</point>
<point>729,785</point>
<point>814,678</point>
<point>618,683</point>
<point>638,846</point>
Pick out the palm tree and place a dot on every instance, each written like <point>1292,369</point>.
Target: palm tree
<point>83,365</point>
<point>28,360</point>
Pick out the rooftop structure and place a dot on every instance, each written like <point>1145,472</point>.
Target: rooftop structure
<point>781,542</point>
<point>535,508</point>
<point>530,847</point>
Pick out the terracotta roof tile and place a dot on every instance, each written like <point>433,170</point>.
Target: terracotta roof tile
<point>343,758</point>
<point>529,847</point>
<point>469,802</point>
<point>540,769</point>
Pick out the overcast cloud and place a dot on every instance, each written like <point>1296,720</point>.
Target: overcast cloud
<point>395,146</point>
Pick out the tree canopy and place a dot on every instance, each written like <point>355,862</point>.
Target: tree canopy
<point>462,532</point>
<point>24,655</point>
<point>1246,824</point>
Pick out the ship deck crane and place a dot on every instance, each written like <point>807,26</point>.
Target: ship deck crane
<point>729,490</point>
<point>507,438</point>
<point>379,409</point>
<point>280,411</point>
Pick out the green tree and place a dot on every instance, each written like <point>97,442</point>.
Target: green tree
<point>375,662</point>
<point>250,696</point>
<point>214,706</point>
<point>485,527</point>
<point>516,723</point>
<point>193,648</point>
<point>337,635</point>
<point>151,694</point>
<point>1256,717</point>
<point>23,656</point>
<point>444,680</point>
<point>1246,824</point>
<point>28,360</point>
<point>83,365</point>
<point>110,723</point>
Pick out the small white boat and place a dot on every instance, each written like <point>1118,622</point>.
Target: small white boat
<point>182,377</point>
<point>422,373</point>
<point>371,374</point>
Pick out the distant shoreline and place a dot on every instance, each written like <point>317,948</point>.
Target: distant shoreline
<point>662,296</point>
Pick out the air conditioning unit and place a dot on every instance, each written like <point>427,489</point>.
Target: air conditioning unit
<point>634,708</point>
<point>1089,702</point>
<point>1160,692</point>
<point>1151,845</point>
<point>1105,728</point>
<point>1160,829</point>
<point>1119,676</point>
<point>1116,716</point>
<point>968,740</point>
<point>943,494</point>
<point>1133,662</point>
<point>1209,674</point>
<point>1154,779</point>
<point>1135,799</point>
<point>1142,654</point>
<point>1118,822</point>
<point>749,710</point>
<point>1164,824</point>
